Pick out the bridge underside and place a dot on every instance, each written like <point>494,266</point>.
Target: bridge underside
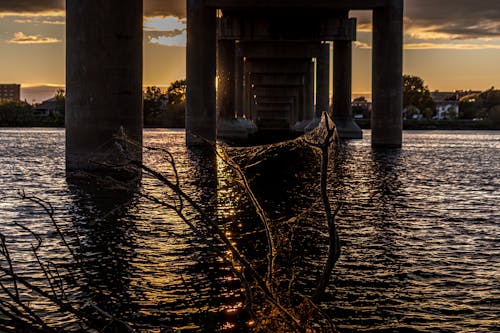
<point>272,54</point>
<point>268,52</point>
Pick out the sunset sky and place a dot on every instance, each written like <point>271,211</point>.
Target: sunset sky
<point>451,44</point>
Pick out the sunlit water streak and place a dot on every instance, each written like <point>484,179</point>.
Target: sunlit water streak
<point>419,230</point>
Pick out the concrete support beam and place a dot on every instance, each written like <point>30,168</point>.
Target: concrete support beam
<point>200,73</point>
<point>226,79</point>
<point>301,4</point>
<point>282,80</point>
<point>295,26</point>
<point>277,66</point>
<point>386,121</point>
<point>323,80</point>
<point>283,50</point>
<point>342,91</point>
<point>279,94</point>
<point>238,81</point>
<point>103,81</point>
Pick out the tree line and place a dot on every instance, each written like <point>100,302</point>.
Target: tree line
<point>478,105</point>
<point>161,108</point>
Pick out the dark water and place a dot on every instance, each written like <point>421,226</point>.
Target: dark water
<point>419,229</point>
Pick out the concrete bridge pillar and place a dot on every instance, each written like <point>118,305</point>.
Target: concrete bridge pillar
<point>323,80</point>
<point>200,73</point>
<point>226,79</point>
<point>309,86</point>
<point>386,121</point>
<point>342,91</point>
<point>238,73</point>
<point>103,81</point>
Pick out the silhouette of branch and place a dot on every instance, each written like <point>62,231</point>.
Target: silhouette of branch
<point>333,239</point>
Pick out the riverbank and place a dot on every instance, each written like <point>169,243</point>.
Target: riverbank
<point>169,121</point>
<point>473,125</point>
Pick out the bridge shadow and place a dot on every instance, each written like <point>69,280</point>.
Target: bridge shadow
<point>145,265</point>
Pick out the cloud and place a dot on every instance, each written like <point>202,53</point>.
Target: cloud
<point>166,31</point>
<point>447,19</point>
<point>450,46</point>
<point>361,45</point>
<point>178,40</point>
<point>160,23</point>
<point>39,20</point>
<point>437,46</point>
<point>21,38</point>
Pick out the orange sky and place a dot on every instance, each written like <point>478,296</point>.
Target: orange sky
<point>450,44</point>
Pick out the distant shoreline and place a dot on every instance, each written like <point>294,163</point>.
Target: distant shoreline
<point>442,125</point>
<point>452,125</point>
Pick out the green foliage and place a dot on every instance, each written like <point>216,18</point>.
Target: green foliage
<point>428,113</point>
<point>165,109</point>
<point>360,99</point>
<point>61,101</point>
<point>482,105</point>
<point>153,101</point>
<point>470,106</point>
<point>494,114</point>
<point>416,93</point>
<point>15,113</point>
<point>176,92</point>
<point>491,98</point>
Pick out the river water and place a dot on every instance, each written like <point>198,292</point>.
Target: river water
<point>419,228</point>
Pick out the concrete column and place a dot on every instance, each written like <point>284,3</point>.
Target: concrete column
<point>323,80</point>
<point>386,120</point>
<point>246,91</point>
<point>309,86</point>
<point>103,81</point>
<point>226,79</point>
<point>200,73</point>
<point>342,91</point>
<point>238,82</point>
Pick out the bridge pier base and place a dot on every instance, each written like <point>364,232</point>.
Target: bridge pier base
<point>323,80</point>
<point>386,119</point>
<point>103,83</point>
<point>342,91</point>
<point>200,73</point>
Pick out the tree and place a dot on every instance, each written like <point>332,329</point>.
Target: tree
<point>176,92</point>
<point>15,113</point>
<point>60,100</point>
<point>479,105</point>
<point>428,113</point>
<point>470,106</point>
<point>153,100</point>
<point>415,93</point>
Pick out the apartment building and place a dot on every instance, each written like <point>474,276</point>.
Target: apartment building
<point>10,92</point>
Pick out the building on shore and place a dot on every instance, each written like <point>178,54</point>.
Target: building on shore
<point>48,108</point>
<point>11,92</point>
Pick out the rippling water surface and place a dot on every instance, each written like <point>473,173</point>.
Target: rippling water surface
<point>419,230</point>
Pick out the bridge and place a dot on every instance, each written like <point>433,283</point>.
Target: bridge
<point>250,63</point>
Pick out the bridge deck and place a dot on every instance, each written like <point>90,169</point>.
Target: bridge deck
<point>311,4</point>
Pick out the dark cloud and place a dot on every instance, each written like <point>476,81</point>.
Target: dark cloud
<point>30,5</point>
<point>460,19</point>
<point>447,19</point>
<point>151,7</point>
<point>165,7</point>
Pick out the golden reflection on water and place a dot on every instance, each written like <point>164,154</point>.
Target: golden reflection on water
<point>419,233</point>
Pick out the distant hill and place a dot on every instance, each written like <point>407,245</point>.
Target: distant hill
<point>38,93</point>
